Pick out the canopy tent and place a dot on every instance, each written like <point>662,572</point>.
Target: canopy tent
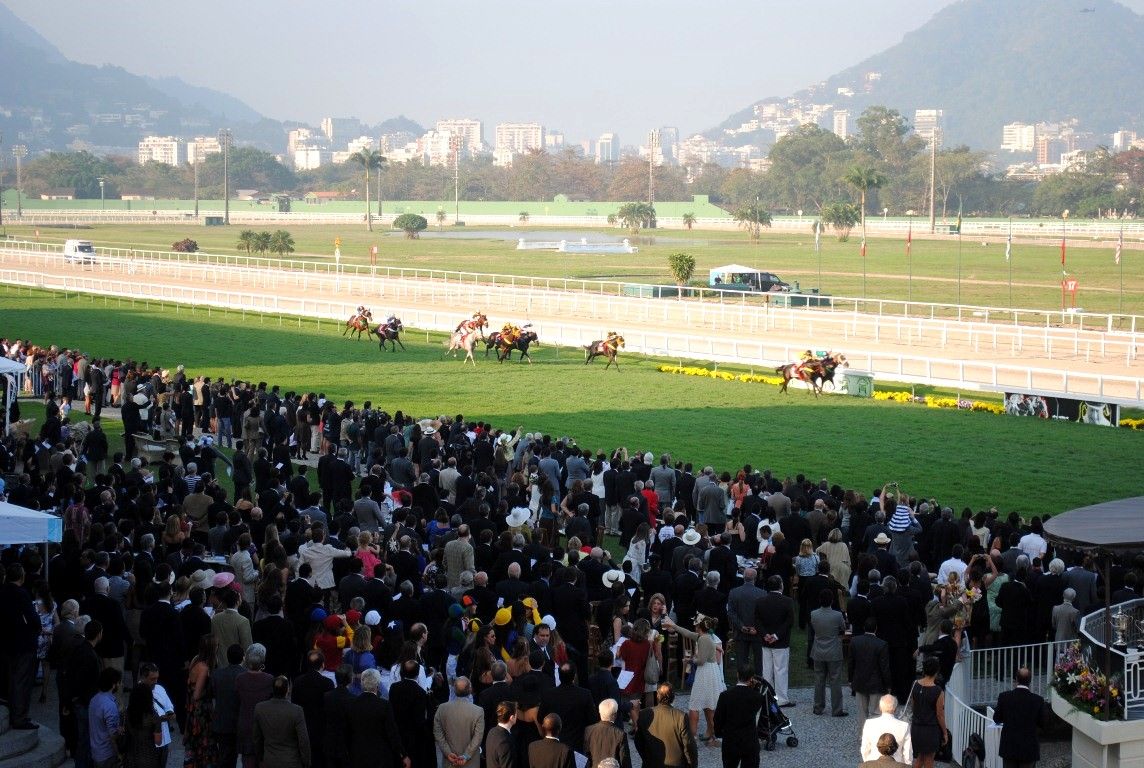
<point>20,525</point>
<point>728,272</point>
<point>14,371</point>
<point>1113,527</point>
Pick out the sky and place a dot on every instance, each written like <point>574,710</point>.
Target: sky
<point>582,67</point>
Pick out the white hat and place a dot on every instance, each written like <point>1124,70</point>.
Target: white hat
<point>882,538</point>
<point>691,537</point>
<point>612,577</point>
<point>206,440</point>
<point>504,437</point>
<point>428,431</point>
<point>550,621</point>
<point>372,619</point>
<point>203,579</point>
<point>518,517</point>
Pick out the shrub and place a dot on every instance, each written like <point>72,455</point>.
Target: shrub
<point>186,245</point>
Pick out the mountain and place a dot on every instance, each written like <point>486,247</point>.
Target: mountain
<point>188,95</point>
<point>986,63</point>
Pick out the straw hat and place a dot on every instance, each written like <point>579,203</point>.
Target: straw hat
<point>882,538</point>
<point>612,577</point>
<point>518,517</point>
<point>203,579</point>
<point>691,537</point>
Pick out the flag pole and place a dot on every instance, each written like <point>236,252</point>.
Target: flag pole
<point>1120,261</point>
<point>910,255</point>
<point>1009,258</point>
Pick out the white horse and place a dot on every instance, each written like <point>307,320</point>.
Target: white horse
<point>466,340</point>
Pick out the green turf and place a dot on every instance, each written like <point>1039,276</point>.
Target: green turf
<point>930,275</point>
<point>963,459</point>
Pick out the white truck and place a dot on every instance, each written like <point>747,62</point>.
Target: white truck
<point>79,252</point>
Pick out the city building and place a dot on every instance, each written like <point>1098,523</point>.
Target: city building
<point>471,131</point>
<point>554,141</point>
<point>841,127</point>
<point>160,149</point>
<point>515,139</point>
<point>307,158</point>
<point>302,137</point>
<point>437,147</point>
<point>662,145</point>
<point>1122,140</point>
<point>607,148</point>
<point>340,129</point>
<point>1018,137</point>
<point>360,143</point>
<point>199,147</point>
<point>927,126</point>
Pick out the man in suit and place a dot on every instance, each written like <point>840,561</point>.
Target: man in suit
<point>550,752</point>
<point>1082,580</point>
<point>224,721</point>
<point>1020,712</point>
<point>1065,619</point>
<point>944,648</point>
<point>687,585</point>
<point>663,737</point>
<point>335,709</point>
<point>869,670</point>
<point>722,560</point>
<point>606,739</point>
<point>308,692</point>
<point>160,629</point>
<point>277,634</point>
<point>741,603</point>
<point>774,617</point>
<point>887,746</point>
<point>512,588</point>
<point>459,727</point>
<point>280,737</point>
<point>112,647</point>
<point>885,723</point>
<point>573,704</point>
<point>571,611</point>
<point>492,696</point>
<point>736,722</point>
<point>459,556</point>
<point>500,747</point>
<point>229,627</point>
<point>371,736</point>
<point>826,653</point>
<point>411,709</point>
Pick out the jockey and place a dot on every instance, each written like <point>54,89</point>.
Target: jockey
<point>510,334</point>
<point>610,342</point>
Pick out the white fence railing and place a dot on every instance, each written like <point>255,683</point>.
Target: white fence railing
<point>963,720</point>
<point>990,670</point>
<point>266,294</point>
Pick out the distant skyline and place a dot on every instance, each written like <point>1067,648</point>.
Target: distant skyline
<point>581,68</point>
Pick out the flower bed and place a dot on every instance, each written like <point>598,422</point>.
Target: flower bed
<point>1084,686</point>
<point>894,395</point>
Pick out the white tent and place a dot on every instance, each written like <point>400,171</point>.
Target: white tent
<point>20,525</point>
<point>15,371</point>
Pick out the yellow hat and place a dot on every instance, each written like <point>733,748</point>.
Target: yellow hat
<point>502,617</point>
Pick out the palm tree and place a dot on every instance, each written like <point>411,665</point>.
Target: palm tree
<point>368,159</point>
<point>261,242</point>
<point>441,216</point>
<point>246,240</point>
<point>689,220</point>
<point>863,179</point>
<point>753,218</point>
<point>636,215</point>
<point>282,242</point>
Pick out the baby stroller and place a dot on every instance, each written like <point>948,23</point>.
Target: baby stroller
<point>773,723</point>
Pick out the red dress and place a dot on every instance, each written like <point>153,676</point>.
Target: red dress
<point>634,655</point>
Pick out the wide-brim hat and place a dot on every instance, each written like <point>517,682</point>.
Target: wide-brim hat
<point>203,579</point>
<point>504,437</point>
<point>550,621</point>
<point>517,517</point>
<point>612,577</point>
<point>224,579</point>
<point>882,538</point>
<point>691,537</point>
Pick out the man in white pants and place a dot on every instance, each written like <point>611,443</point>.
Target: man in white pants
<point>774,617</point>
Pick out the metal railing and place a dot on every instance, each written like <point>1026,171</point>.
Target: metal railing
<point>1128,658</point>
<point>964,720</point>
<point>989,671</point>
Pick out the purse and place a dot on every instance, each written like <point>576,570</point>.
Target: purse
<point>652,670</point>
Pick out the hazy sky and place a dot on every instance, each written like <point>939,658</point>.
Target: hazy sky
<point>582,67</point>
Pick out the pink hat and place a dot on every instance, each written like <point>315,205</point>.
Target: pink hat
<point>224,579</point>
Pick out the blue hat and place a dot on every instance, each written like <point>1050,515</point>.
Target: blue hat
<point>318,614</point>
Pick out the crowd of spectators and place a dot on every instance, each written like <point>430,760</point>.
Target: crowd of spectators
<point>312,616</point>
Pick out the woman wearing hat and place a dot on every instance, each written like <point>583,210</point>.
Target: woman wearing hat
<point>517,521</point>
<point>708,683</point>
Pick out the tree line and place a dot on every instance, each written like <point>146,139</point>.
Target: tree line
<point>883,166</point>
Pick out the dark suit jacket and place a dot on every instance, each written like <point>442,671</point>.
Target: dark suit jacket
<point>664,738</point>
<point>490,698</point>
<point>737,717</point>
<point>160,629</point>
<point>411,711</point>
<point>280,737</point>
<point>1020,712</point>
<point>372,740</point>
<point>277,634</point>
<point>336,707</point>
<point>606,739</point>
<point>511,590</point>
<point>550,753</point>
<point>687,586</point>
<point>500,749</point>
<point>308,692</point>
<point>576,710</point>
<point>869,664</point>
<point>225,717</point>
<point>722,559</point>
<point>774,615</point>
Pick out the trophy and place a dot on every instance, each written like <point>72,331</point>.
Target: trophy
<point>1121,622</point>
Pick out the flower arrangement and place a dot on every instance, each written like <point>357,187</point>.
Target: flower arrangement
<point>1077,681</point>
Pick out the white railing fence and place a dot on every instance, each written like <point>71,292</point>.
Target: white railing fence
<point>989,671</point>
<point>964,720</point>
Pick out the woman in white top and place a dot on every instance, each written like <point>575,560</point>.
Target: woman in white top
<point>599,466</point>
<point>638,550</point>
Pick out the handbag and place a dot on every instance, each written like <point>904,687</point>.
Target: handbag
<point>651,670</point>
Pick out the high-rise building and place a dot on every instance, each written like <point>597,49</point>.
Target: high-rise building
<point>340,129</point>
<point>302,137</point>
<point>360,143</point>
<point>662,145</point>
<point>201,146</point>
<point>927,125</point>
<point>1018,137</point>
<point>515,139</point>
<point>160,149</point>
<point>554,140</point>
<point>308,158</point>
<point>471,131</point>
<point>1122,140</point>
<point>608,148</point>
<point>842,123</point>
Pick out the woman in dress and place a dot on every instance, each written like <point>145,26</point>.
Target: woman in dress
<point>634,653</point>
<point>199,745</point>
<point>621,610</point>
<point>143,727</point>
<point>927,723</point>
<point>638,550</point>
<point>708,659</point>
<point>836,552</point>
<point>46,610</point>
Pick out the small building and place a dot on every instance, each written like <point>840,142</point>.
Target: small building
<point>323,196</point>
<point>58,194</point>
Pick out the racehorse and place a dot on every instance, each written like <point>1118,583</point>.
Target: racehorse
<point>504,350</point>
<point>812,371</point>
<point>830,363</point>
<point>466,340</point>
<point>608,348</point>
<point>478,322</point>
<point>390,331</point>
<point>359,323</point>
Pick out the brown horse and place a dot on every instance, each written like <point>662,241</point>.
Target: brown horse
<point>608,348</point>
<point>390,331</point>
<point>505,350</point>
<point>478,322</point>
<point>812,371</point>
<point>359,323</point>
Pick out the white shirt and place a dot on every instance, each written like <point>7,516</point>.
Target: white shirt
<point>873,728</point>
<point>163,706</point>
<point>952,565</point>
<point>1033,545</point>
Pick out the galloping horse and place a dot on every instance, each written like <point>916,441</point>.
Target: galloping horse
<point>466,340</point>
<point>811,370</point>
<point>390,331</point>
<point>359,323</point>
<point>478,322</point>
<point>608,348</point>
<point>504,349</point>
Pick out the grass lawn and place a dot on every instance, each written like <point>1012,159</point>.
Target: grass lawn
<point>961,458</point>
<point>931,275</point>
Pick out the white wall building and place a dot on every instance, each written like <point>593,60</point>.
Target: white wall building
<point>1018,137</point>
<point>1122,140</point>
<point>607,148</point>
<point>160,149</point>
<point>928,125</point>
<point>201,146</point>
<point>307,158</point>
<point>841,127</point>
<point>516,139</point>
<point>471,131</point>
